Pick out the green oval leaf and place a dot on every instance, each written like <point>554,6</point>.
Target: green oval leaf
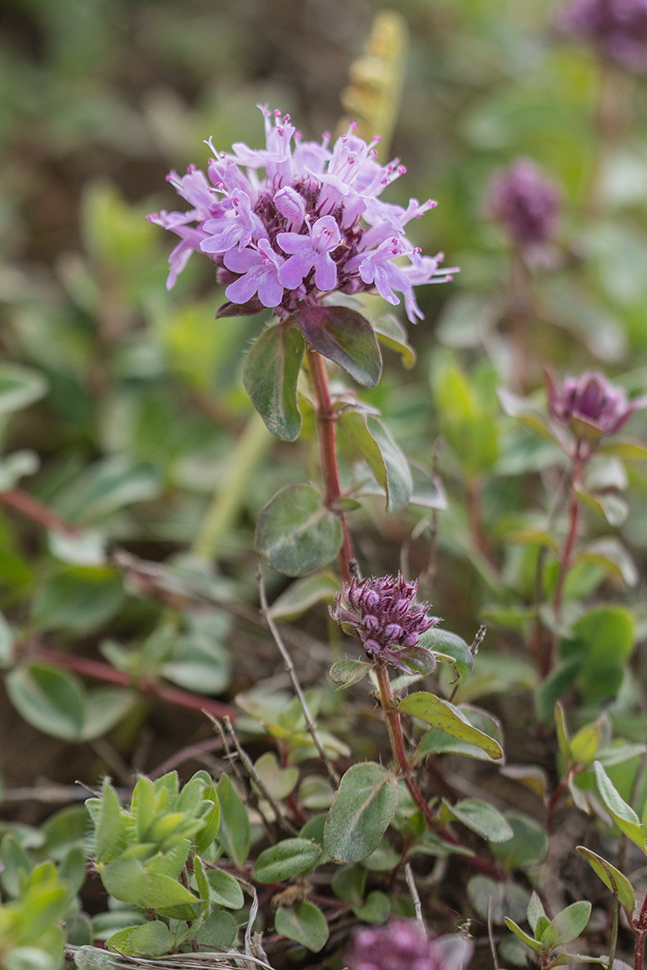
<point>49,699</point>
<point>124,879</point>
<point>151,939</point>
<point>168,897</point>
<point>295,533</point>
<point>436,741</point>
<point>527,846</point>
<point>303,594</point>
<point>345,673</point>
<point>79,598</point>
<point>234,833</point>
<point>612,878</point>
<point>384,457</point>
<point>621,813</point>
<point>449,648</point>
<point>224,889</point>
<point>345,337</point>
<point>303,923</point>
<point>109,826</point>
<point>567,925</point>
<point>481,817</point>
<point>364,805</point>
<point>441,714</point>
<point>288,858</point>
<point>533,944</point>
<point>270,375</point>
<point>390,333</point>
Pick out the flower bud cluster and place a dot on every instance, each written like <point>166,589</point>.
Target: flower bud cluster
<point>405,945</point>
<point>313,224</point>
<point>526,203</point>
<point>590,405</point>
<point>616,28</point>
<point>382,613</point>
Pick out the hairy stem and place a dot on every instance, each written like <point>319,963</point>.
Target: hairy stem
<point>291,670</point>
<point>394,727</point>
<point>640,929</point>
<point>327,435</point>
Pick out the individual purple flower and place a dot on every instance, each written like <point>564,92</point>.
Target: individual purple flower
<point>260,270</point>
<point>404,944</point>
<point>616,28</point>
<point>526,203</point>
<point>314,222</point>
<point>311,252</point>
<point>591,406</point>
<point>382,613</point>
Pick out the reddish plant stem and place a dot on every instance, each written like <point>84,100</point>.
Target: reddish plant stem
<point>394,727</point>
<point>640,929</point>
<point>22,502</point>
<point>95,669</point>
<point>327,435</point>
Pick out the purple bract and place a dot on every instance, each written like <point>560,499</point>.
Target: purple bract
<point>526,203</point>
<point>590,405</point>
<point>617,28</point>
<point>383,614</point>
<point>405,945</point>
<point>312,225</point>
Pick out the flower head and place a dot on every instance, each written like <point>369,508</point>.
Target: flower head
<point>616,28</point>
<point>382,613</point>
<point>590,405</point>
<point>405,945</point>
<point>526,203</point>
<point>312,224</point>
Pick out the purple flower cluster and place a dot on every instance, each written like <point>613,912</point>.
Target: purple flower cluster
<point>382,613</point>
<point>590,405</point>
<point>617,28</point>
<point>405,945</point>
<point>313,224</point>
<point>526,203</point>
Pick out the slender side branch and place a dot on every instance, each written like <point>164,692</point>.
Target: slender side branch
<point>257,780</point>
<point>35,510</point>
<point>327,434</point>
<point>289,666</point>
<point>413,889</point>
<point>96,670</point>
<point>566,558</point>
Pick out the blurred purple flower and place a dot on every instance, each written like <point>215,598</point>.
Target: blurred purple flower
<point>617,28</point>
<point>405,945</point>
<point>590,405</point>
<point>382,613</point>
<point>526,203</point>
<point>313,224</point>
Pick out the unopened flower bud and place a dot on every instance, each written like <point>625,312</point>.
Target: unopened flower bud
<point>383,614</point>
